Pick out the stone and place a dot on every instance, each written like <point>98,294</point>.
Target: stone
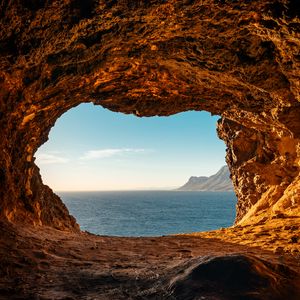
<point>155,61</point>
<point>239,60</point>
<point>235,275</point>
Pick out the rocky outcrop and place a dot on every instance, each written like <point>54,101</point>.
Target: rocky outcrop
<point>153,58</point>
<point>217,182</point>
<point>52,264</point>
<point>205,277</point>
<point>239,60</point>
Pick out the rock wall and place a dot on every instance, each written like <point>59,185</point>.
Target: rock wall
<point>237,59</point>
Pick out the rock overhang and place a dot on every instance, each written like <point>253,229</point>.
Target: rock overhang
<point>240,61</point>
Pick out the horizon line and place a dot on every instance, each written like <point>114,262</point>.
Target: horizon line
<point>122,190</point>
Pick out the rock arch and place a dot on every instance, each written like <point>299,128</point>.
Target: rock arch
<point>239,60</point>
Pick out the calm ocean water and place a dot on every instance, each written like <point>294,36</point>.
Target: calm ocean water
<point>150,213</point>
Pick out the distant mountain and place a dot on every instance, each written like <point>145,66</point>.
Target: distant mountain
<point>217,182</point>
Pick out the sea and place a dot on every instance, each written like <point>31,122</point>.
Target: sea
<point>150,213</point>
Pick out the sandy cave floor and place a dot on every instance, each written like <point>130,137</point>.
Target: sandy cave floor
<point>43,263</point>
<point>280,234</point>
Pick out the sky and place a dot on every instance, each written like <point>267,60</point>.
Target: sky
<point>91,149</point>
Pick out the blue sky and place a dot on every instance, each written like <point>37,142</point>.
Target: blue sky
<point>92,148</point>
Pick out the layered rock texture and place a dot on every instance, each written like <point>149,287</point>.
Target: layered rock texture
<point>238,59</point>
<point>50,264</point>
<point>217,182</point>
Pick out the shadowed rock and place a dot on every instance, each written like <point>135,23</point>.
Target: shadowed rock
<point>233,277</point>
<point>238,59</point>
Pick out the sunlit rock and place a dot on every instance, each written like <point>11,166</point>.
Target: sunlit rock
<point>233,58</point>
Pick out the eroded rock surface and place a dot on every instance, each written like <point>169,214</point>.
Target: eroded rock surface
<point>50,264</point>
<point>235,276</point>
<point>238,59</point>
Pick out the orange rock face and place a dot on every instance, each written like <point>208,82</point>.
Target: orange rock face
<point>238,59</point>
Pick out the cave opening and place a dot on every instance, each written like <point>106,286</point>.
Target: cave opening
<point>235,59</point>
<point>119,174</point>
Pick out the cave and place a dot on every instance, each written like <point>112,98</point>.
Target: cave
<point>237,60</point>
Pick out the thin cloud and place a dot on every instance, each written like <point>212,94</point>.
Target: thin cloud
<point>50,158</point>
<point>108,153</point>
